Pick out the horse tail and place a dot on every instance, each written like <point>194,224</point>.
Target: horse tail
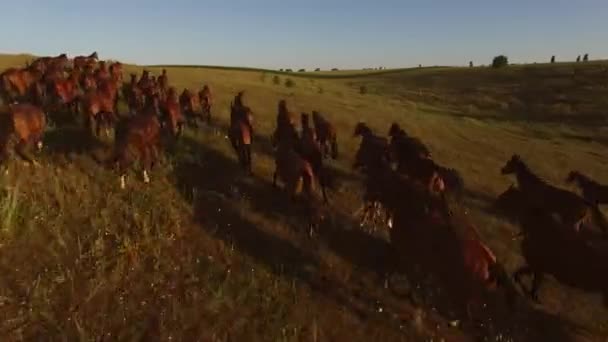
<point>334,147</point>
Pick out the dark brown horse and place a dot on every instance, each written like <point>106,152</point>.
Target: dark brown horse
<point>163,82</point>
<point>190,104</point>
<point>133,95</point>
<point>241,134</point>
<point>66,92</point>
<point>138,137</point>
<point>102,74</point>
<point>296,172</point>
<point>286,132</point>
<point>592,191</point>
<point>573,210</point>
<point>206,100</point>
<point>326,135</point>
<point>25,123</point>
<point>97,107</point>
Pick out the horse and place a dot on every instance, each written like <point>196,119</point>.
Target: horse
<point>311,151</point>
<point>25,122</point>
<point>84,61</point>
<point>573,210</point>
<point>404,147</point>
<point>296,172</point>
<point>102,74</point>
<point>550,248</point>
<point>206,101</point>
<point>138,137</point>
<point>163,82</point>
<point>16,83</point>
<point>116,71</point>
<point>67,93</point>
<point>190,104</point>
<point>285,132</point>
<point>592,191</point>
<point>98,107</point>
<point>326,135</point>
<point>172,114</point>
<point>241,134</point>
<point>133,95</point>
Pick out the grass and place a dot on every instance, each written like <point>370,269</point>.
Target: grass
<point>204,253</point>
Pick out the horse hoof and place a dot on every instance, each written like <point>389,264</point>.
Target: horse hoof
<point>39,145</point>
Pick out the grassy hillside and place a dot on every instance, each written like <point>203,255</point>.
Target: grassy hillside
<point>206,253</point>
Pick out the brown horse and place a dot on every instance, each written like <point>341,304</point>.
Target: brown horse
<point>190,104</point>
<point>24,122</point>
<point>326,135</point>
<point>311,151</point>
<point>206,100</point>
<point>102,74</point>
<point>138,137</point>
<point>295,172</point>
<point>133,95</point>
<point>16,83</point>
<point>163,82</point>
<point>241,134</point>
<point>549,248</point>
<point>172,114</point>
<point>116,71</point>
<point>98,107</point>
<point>84,61</point>
<point>66,92</point>
<point>592,191</point>
<point>573,210</point>
<point>286,133</point>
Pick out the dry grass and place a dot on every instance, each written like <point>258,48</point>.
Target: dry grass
<point>204,253</point>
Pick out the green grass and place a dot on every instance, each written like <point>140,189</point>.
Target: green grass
<point>205,253</point>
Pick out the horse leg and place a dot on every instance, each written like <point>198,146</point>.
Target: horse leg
<point>524,270</point>
<point>248,158</point>
<point>536,282</point>
<point>21,149</point>
<point>146,161</point>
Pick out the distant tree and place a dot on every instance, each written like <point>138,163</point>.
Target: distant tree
<point>289,83</point>
<point>302,70</point>
<point>362,90</point>
<point>578,59</point>
<point>470,64</point>
<point>318,69</point>
<point>334,69</point>
<point>586,58</point>
<point>500,61</point>
<point>276,80</point>
<point>420,65</point>
<point>288,70</point>
<point>281,70</point>
<point>552,59</point>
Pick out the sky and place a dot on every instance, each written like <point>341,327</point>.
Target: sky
<point>308,34</point>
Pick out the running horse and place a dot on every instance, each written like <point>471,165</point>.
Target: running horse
<point>592,191</point>
<point>326,135</point>
<point>573,210</point>
<point>206,101</point>
<point>24,122</point>
<point>241,131</point>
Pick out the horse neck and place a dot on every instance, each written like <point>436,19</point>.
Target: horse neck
<point>525,177</point>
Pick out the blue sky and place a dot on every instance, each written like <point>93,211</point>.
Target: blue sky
<point>308,33</point>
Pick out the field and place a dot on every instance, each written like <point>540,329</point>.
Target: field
<point>206,253</point>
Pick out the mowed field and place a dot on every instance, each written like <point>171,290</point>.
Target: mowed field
<point>206,253</point>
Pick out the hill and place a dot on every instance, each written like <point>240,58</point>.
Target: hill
<point>204,251</point>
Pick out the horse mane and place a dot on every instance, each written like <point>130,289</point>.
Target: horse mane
<point>526,169</point>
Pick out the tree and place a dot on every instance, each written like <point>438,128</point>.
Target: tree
<point>470,64</point>
<point>334,69</point>
<point>500,61</point>
<point>302,70</point>
<point>586,58</point>
<point>578,59</point>
<point>552,59</point>
<point>318,69</point>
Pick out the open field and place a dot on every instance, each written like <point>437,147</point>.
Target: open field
<point>205,253</point>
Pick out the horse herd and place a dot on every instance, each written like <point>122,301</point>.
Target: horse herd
<point>416,197</point>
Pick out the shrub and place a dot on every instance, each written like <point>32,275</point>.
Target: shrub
<point>362,90</point>
<point>334,69</point>
<point>500,61</point>
<point>276,79</point>
<point>321,91</point>
<point>578,59</point>
<point>288,70</point>
<point>586,58</point>
<point>281,70</point>
<point>318,69</point>
<point>302,70</point>
<point>263,77</point>
<point>470,64</point>
<point>289,83</point>
<point>552,59</point>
